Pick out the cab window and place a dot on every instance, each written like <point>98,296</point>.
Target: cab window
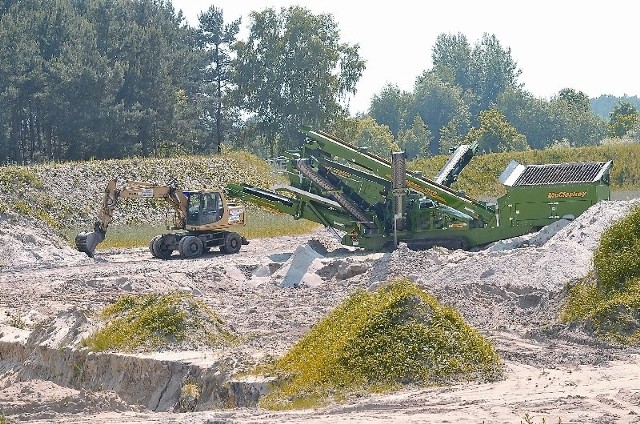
<point>211,208</point>
<point>193,215</point>
<point>204,208</point>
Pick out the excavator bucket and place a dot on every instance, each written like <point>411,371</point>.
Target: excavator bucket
<point>87,241</point>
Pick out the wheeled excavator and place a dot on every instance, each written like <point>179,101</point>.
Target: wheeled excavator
<point>377,203</point>
<point>203,219</point>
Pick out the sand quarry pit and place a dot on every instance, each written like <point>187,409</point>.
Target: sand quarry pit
<point>271,293</point>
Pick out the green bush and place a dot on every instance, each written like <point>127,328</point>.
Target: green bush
<point>608,299</point>
<point>617,258</point>
<point>611,315</point>
<point>376,341</point>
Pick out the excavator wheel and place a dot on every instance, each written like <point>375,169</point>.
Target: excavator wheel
<point>160,248</point>
<point>232,243</point>
<point>190,247</point>
<point>153,253</point>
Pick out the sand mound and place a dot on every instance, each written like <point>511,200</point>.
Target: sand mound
<point>54,400</point>
<point>29,244</point>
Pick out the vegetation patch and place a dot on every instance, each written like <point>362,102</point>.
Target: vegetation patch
<point>3,419</point>
<point>608,299</point>
<point>262,223</point>
<point>24,193</point>
<point>189,396</point>
<point>155,321</point>
<point>379,341</point>
<point>19,177</point>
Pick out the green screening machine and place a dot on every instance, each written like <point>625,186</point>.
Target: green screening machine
<point>377,203</point>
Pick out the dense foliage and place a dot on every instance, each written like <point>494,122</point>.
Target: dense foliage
<point>84,79</point>
<point>286,73</point>
<point>608,299</point>
<point>472,94</point>
<point>396,335</point>
<point>100,79</point>
<point>604,104</point>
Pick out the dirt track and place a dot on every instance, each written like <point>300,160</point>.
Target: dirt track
<point>511,292</point>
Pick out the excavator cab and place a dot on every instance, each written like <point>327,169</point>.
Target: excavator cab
<point>204,208</point>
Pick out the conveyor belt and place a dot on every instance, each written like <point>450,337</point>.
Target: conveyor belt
<point>454,165</point>
<point>269,195</point>
<point>303,166</point>
<point>308,195</point>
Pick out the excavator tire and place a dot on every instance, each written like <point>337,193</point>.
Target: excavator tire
<point>160,248</point>
<point>232,243</point>
<point>153,253</point>
<point>190,247</point>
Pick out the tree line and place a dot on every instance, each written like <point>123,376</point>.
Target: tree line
<point>83,79</point>
<point>476,96</point>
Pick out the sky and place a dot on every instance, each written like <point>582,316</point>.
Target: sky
<point>587,46</point>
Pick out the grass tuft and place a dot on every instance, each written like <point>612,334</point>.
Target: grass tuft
<point>4,419</point>
<point>153,321</point>
<point>379,341</point>
<point>263,224</point>
<point>17,321</point>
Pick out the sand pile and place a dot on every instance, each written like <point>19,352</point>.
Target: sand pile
<point>545,260</point>
<point>28,244</point>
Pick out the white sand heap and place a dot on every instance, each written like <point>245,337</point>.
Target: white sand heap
<point>26,244</point>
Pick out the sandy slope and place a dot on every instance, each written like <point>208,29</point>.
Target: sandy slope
<point>274,290</point>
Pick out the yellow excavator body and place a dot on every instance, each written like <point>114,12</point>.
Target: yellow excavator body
<point>203,219</point>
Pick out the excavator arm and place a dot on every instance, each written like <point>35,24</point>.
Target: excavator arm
<point>87,241</point>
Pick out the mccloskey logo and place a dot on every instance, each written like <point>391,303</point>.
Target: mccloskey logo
<point>565,194</point>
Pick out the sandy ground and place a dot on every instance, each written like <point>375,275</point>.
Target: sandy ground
<point>271,293</point>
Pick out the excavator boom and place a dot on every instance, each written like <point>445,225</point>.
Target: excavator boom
<point>88,241</point>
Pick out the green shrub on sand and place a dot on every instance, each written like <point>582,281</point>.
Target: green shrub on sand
<point>608,299</point>
<point>154,321</point>
<point>379,341</point>
<point>617,259</point>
